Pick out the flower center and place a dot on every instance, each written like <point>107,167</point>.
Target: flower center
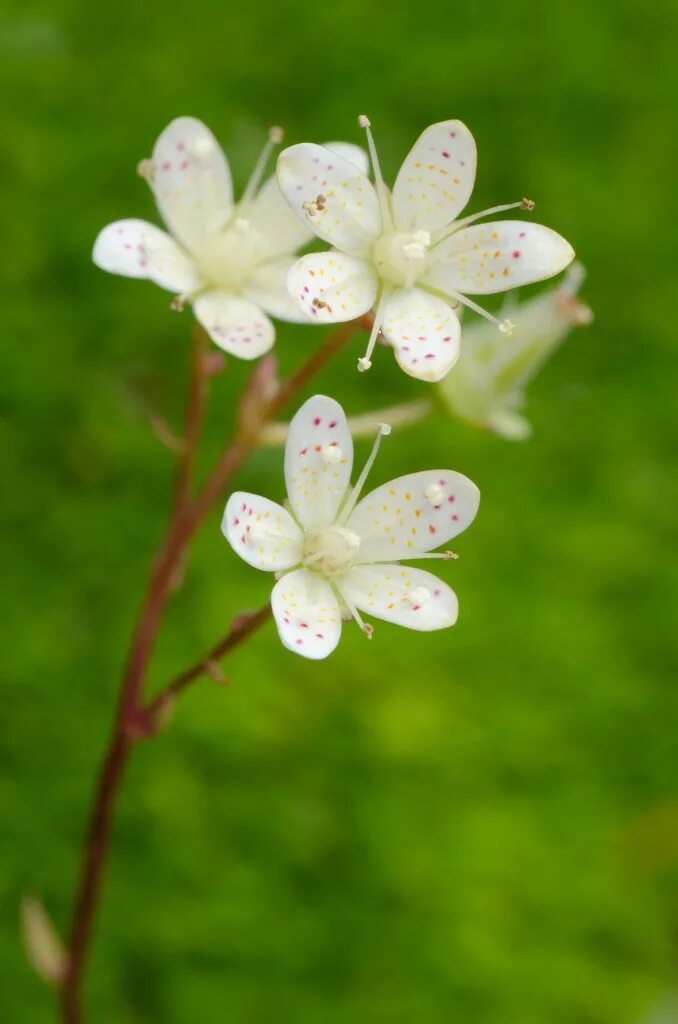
<point>331,550</point>
<point>228,257</point>
<point>401,257</point>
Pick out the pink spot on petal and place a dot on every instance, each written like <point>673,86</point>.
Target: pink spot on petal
<point>521,235</point>
<point>167,166</point>
<point>451,498</point>
<point>332,426</point>
<point>516,254</point>
<point>317,421</point>
<point>446,155</point>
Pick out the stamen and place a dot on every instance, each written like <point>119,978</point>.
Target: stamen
<point>178,302</point>
<point>275,137</point>
<point>146,169</point>
<point>418,595</point>
<point>382,191</point>
<point>202,148</point>
<point>364,363</point>
<point>384,431</point>
<point>457,225</point>
<point>435,495</point>
<point>445,555</point>
<point>367,629</point>
<point>505,326</point>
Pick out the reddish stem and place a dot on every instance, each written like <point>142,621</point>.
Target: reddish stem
<point>131,720</point>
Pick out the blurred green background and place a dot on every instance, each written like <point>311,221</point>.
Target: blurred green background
<point>480,825</point>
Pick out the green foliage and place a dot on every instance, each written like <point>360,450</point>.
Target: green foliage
<point>479,825</point>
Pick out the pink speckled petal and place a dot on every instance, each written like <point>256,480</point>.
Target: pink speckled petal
<point>307,614</point>
<point>262,532</point>
<point>436,179</point>
<point>330,287</point>
<point>413,514</point>
<point>267,287</point>
<point>191,181</point>
<point>402,595</point>
<point>350,217</point>
<point>318,461</point>
<point>423,331</point>
<point>135,248</point>
<point>234,324</point>
<point>493,257</point>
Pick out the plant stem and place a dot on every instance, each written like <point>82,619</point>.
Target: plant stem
<point>131,723</point>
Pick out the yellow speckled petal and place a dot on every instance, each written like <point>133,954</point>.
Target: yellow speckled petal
<point>331,195</point>
<point>318,461</point>
<point>401,594</point>
<point>423,331</point>
<point>436,179</point>
<point>191,181</point>
<point>234,324</point>
<point>135,248</point>
<point>331,287</point>
<point>493,257</point>
<point>307,614</point>
<point>262,532</point>
<point>413,514</point>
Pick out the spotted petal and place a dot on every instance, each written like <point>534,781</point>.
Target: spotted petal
<point>307,614</point>
<point>330,287</point>
<point>424,332</point>
<point>413,514</point>
<point>436,179</point>
<point>318,461</point>
<point>356,154</point>
<point>348,216</point>
<point>493,257</point>
<point>191,181</point>
<point>262,532</point>
<point>234,324</point>
<point>267,287</point>
<point>403,595</point>
<point>135,248</point>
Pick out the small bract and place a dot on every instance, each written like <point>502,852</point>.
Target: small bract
<point>337,556</point>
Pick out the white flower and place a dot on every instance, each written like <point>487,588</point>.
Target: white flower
<point>405,253</point>
<point>340,556</point>
<point>487,386</point>
<point>230,261</point>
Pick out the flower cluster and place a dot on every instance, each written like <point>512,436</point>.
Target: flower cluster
<point>408,256</point>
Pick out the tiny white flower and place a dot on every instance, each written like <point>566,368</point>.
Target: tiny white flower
<point>487,386</point>
<point>336,556</point>
<point>230,261</point>
<point>405,253</point>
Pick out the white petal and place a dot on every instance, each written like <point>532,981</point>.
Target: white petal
<point>234,324</point>
<point>262,532</point>
<point>413,514</point>
<point>356,154</point>
<point>350,218</point>
<point>135,248</point>
<point>267,287</point>
<point>492,257</point>
<point>318,461</point>
<point>398,593</point>
<point>424,332</point>
<point>191,181</point>
<point>436,178</point>
<point>307,614</point>
<point>279,229</point>
<point>330,287</point>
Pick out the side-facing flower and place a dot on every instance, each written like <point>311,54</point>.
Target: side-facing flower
<point>336,556</point>
<point>487,386</point>
<point>405,253</point>
<point>229,260</point>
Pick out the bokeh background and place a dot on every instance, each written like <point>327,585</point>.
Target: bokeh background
<point>480,825</point>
